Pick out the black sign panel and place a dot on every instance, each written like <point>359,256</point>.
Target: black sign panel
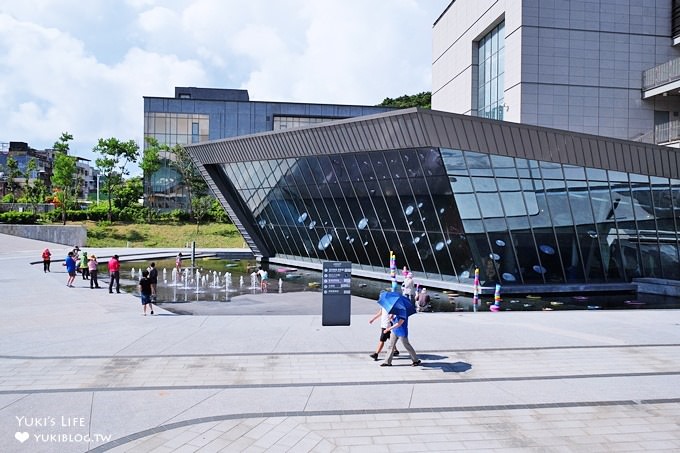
<point>336,287</point>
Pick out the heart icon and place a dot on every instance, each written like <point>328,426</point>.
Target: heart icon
<point>21,437</point>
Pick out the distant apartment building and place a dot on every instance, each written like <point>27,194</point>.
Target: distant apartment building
<point>201,114</point>
<point>22,153</point>
<point>604,67</point>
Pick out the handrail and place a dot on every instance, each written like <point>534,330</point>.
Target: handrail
<point>662,133</point>
<point>661,75</point>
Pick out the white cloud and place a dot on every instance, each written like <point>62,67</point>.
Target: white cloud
<point>51,85</point>
<point>83,67</point>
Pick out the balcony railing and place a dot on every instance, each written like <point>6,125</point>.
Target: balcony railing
<point>667,132</point>
<point>661,75</point>
<point>662,133</point>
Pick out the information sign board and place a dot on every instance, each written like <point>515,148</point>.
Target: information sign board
<point>336,288</point>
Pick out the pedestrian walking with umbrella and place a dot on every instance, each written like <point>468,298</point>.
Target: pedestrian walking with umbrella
<point>399,306</point>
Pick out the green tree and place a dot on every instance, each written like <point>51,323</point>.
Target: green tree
<point>150,164</point>
<point>13,173</point>
<point>200,207</point>
<point>192,179</point>
<point>36,191</point>
<point>63,172</point>
<point>420,100</point>
<point>116,156</point>
<point>129,193</point>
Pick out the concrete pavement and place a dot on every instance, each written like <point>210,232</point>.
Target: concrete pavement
<point>83,370</point>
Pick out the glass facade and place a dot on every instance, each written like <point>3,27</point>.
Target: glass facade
<point>529,221</point>
<point>490,73</point>
<point>176,128</point>
<point>167,189</point>
<point>287,122</point>
<point>444,212</point>
<point>197,115</point>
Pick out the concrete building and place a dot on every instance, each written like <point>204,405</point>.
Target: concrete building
<point>199,114</point>
<point>22,153</point>
<point>604,67</point>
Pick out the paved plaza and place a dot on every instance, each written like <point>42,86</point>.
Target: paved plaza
<point>83,370</point>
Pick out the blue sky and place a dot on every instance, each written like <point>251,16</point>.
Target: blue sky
<point>84,66</point>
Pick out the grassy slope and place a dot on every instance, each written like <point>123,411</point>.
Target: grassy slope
<point>162,235</point>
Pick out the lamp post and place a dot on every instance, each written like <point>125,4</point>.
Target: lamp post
<point>97,189</point>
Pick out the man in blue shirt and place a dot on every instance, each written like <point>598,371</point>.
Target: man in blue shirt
<point>399,330</point>
<point>70,264</point>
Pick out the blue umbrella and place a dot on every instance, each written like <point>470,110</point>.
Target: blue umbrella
<point>395,303</point>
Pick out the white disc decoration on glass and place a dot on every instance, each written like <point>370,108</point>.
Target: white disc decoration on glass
<point>539,269</point>
<point>500,242</point>
<point>465,274</point>
<point>494,256</point>
<point>409,210</point>
<point>508,277</point>
<point>363,223</point>
<point>325,241</point>
<point>416,239</point>
<point>312,224</point>
<point>439,246</point>
<point>302,217</point>
<point>546,249</point>
<point>262,223</point>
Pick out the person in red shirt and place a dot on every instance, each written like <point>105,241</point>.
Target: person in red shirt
<point>47,258</point>
<point>114,273</point>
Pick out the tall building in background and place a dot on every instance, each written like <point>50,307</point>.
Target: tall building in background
<point>604,67</point>
<point>199,114</point>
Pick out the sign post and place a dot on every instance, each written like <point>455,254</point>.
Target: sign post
<point>336,287</point>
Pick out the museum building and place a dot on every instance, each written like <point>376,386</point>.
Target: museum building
<point>534,209</point>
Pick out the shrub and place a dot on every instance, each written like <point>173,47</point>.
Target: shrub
<point>24,218</point>
<point>217,213</point>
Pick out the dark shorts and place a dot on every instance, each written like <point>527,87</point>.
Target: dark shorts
<point>146,299</point>
<point>384,336</point>
<point>72,273</point>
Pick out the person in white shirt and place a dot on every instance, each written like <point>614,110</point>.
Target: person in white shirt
<point>385,319</point>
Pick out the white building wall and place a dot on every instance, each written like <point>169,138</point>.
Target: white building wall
<point>574,65</point>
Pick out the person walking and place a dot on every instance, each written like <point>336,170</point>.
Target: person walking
<point>47,259</point>
<point>153,278</point>
<point>145,291</point>
<point>399,329</point>
<point>70,264</point>
<point>384,336</point>
<point>114,273</point>
<point>92,269</point>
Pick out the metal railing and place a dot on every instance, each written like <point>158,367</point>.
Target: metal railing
<point>667,132</point>
<point>661,75</point>
<point>662,133</point>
